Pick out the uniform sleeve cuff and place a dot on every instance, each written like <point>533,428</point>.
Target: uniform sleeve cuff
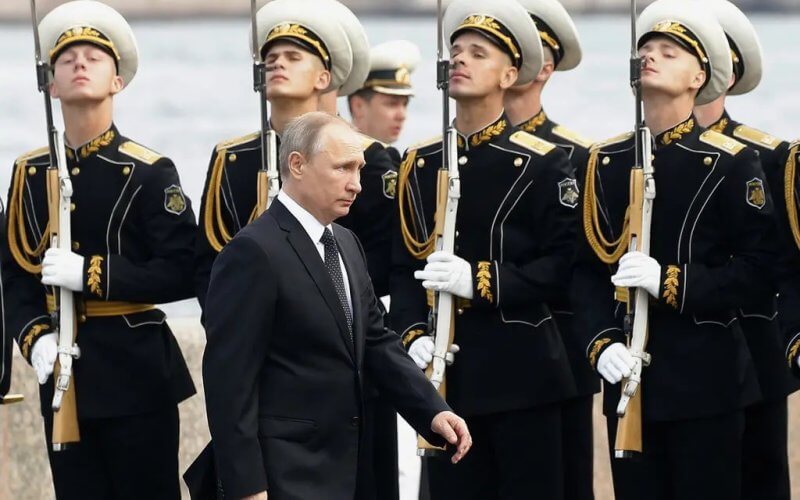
<point>485,293</point>
<point>29,338</point>
<point>601,342</point>
<point>671,290</point>
<point>792,353</point>
<point>411,335</point>
<point>96,276</point>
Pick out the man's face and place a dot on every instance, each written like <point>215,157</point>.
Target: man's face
<point>479,68</point>
<point>293,73</point>
<point>84,73</point>
<point>331,179</point>
<point>669,69</point>
<point>382,116</point>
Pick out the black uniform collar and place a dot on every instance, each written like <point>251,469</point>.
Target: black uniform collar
<point>678,133</point>
<point>532,124</point>
<point>108,140</point>
<point>722,124</point>
<point>490,133</point>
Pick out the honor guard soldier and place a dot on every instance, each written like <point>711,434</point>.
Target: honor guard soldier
<point>765,461</point>
<point>132,242</point>
<point>6,342</point>
<point>562,52</point>
<point>789,283</point>
<point>380,107</point>
<point>701,268</point>
<point>514,235</point>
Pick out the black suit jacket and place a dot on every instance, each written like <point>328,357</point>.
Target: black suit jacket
<point>283,379</point>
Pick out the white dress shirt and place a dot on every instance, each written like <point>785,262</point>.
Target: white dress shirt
<point>314,230</point>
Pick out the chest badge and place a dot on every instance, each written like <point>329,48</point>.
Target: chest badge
<point>174,201</point>
<point>389,179</point>
<point>755,193</point>
<point>568,193</point>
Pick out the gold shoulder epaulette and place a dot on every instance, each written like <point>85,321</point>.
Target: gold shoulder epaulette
<point>531,142</point>
<point>33,154</point>
<point>237,141</point>
<point>367,141</point>
<point>614,140</point>
<point>139,152</point>
<point>756,137</point>
<point>723,142</point>
<point>571,136</point>
<point>422,144</point>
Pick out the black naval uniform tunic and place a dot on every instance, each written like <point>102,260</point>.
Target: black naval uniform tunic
<point>229,204</point>
<point>135,229</point>
<point>6,342</point>
<point>711,211</point>
<point>576,413</point>
<point>765,467</point>
<point>515,226</point>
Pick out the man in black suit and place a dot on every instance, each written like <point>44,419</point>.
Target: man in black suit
<point>296,333</point>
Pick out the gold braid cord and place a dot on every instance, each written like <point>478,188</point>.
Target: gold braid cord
<point>607,251</point>
<point>419,249</point>
<point>218,236</point>
<point>17,234</point>
<point>789,183</point>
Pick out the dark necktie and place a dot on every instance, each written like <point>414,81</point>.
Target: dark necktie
<point>335,270</point>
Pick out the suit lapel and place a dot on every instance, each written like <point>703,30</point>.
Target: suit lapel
<point>310,258</point>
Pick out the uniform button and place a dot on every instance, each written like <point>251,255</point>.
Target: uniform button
<point>82,318</point>
<point>76,171</point>
<point>75,245</point>
<point>462,160</point>
<point>707,160</point>
<point>72,207</point>
<point>456,234</point>
<point>126,170</point>
<point>31,170</point>
<point>232,157</point>
<point>606,160</point>
<point>421,162</point>
<point>460,311</point>
<point>354,421</point>
<point>518,161</point>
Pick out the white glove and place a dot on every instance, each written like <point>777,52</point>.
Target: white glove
<point>43,356</point>
<point>63,268</point>
<point>421,351</point>
<point>615,363</point>
<point>638,270</point>
<point>446,272</point>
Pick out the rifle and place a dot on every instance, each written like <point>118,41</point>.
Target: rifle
<point>5,353</point>
<point>268,181</point>
<point>441,318</point>
<point>642,195</point>
<point>63,318</point>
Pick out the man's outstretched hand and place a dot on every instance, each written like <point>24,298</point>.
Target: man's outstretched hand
<point>454,430</point>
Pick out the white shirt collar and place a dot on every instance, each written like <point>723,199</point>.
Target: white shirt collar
<point>313,227</point>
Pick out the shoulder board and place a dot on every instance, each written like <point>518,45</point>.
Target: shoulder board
<point>139,152</point>
<point>614,140</point>
<point>723,142</point>
<point>36,153</point>
<point>757,137</point>
<point>531,142</point>
<point>426,143</point>
<point>571,136</point>
<point>367,141</point>
<point>236,141</point>
<point>794,144</point>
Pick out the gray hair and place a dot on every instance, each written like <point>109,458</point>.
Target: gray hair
<point>304,135</point>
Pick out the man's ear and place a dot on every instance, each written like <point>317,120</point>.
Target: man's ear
<point>358,107</point>
<point>547,71</point>
<point>117,84</point>
<point>323,81</point>
<point>53,90</point>
<point>698,80</point>
<point>296,162</point>
<point>508,77</point>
